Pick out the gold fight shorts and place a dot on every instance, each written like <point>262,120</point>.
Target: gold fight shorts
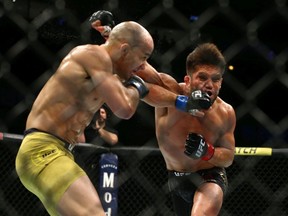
<point>46,168</point>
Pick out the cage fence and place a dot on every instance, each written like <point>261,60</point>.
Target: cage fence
<point>257,184</point>
<point>37,35</point>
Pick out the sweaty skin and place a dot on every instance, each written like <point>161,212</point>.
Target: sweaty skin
<point>81,88</point>
<point>172,126</point>
<point>216,125</point>
<point>88,77</point>
<point>205,67</point>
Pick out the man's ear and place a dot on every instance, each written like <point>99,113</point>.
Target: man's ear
<point>187,79</point>
<point>186,84</point>
<point>124,49</point>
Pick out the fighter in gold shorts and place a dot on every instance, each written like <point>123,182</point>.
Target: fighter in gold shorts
<point>49,158</point>
<point>87,77</point>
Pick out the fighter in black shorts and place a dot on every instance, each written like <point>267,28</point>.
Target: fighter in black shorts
<point>184,184</point>
<point>198,146</point>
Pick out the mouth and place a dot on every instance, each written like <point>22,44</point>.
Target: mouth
<point>209,93</point>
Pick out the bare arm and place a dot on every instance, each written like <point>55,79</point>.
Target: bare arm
<point>159,97</point>
<point>108,88</point>
<point>163,88</point>
<point>151,75</point>
<point>108,136</point>
<point>121,100</point>
<point>160,83</point>
<point>225,146</point>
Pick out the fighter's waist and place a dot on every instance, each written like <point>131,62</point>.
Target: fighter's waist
<point>177,173</point>
<point>66,144</point>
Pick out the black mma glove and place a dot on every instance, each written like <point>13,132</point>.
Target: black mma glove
<point>106,18</point>
<point>107,22</point>
<point>196,147</point>
<point>139,84</point>
<point>197,100</point>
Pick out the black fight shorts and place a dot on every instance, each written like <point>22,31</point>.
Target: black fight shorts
<point>184,184</point>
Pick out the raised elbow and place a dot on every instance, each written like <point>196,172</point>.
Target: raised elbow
<point>229,162</point>
<point>114,140</point>
<point>125,112</point>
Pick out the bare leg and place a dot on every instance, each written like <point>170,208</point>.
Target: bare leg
<point>208,200</point>
<point>81,199</point>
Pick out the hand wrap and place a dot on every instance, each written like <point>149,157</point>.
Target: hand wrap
<point>139,84</point>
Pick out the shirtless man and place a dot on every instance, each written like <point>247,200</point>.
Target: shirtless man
<point>196,148</point>
<point>88,77</point>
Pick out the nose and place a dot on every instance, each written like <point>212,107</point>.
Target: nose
<point>209,84</point>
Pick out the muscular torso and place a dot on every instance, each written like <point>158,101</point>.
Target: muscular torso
<point>67,103</point>
<point>172,127</point>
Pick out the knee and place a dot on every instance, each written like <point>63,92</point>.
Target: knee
<point>207,208</point>
<point>94,209</point>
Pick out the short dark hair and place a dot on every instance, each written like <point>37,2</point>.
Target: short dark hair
<point>205,54</point>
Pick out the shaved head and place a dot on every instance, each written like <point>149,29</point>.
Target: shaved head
<point>132,33</point>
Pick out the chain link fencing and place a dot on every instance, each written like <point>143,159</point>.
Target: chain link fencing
<point>257,185</point>
<point>36,35</point>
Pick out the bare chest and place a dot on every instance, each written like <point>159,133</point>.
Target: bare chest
<point>174,129</point>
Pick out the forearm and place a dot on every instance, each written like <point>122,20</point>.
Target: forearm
<point>159,97</point>
<point>135,83</point>
<point>222,157</point>
<point>122,100</point>
<point>127,105</point>
<point>107,136</point>
<point>224,150</point>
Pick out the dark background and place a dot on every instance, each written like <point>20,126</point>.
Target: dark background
<point>36,35</point>
<point>251,34</point>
